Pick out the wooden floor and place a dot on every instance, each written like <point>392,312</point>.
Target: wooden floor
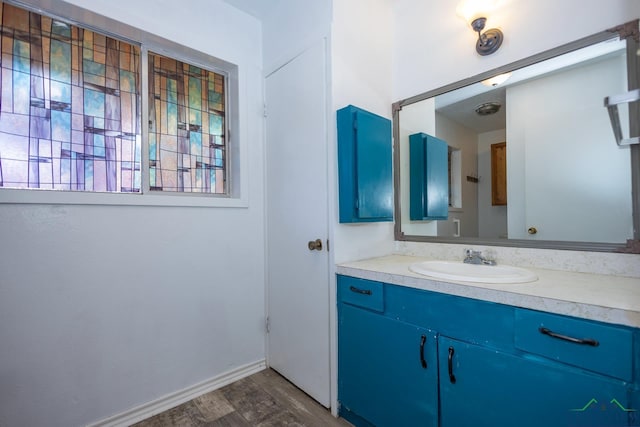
<point>263,399</point>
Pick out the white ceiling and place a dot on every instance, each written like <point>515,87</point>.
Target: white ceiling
<point>257,8</point>
<point>464,112</point>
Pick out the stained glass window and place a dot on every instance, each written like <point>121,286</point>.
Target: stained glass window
<point>186,127</point>
<point>69,107</point>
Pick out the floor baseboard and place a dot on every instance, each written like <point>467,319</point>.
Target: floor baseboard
<point>172,400</point>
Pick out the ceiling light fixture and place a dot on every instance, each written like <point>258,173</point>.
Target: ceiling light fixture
<point>475,12</point>
<point>489,41</point>
<point>488,108</point>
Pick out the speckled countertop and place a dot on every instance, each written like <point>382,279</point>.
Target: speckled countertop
<point>611,299</point>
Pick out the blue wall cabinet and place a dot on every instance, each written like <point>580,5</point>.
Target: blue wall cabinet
<point>365,171</point>
<point>428,178</point>
<point>495,365</point>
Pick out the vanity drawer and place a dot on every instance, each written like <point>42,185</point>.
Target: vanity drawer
<point>361,292</point>
<point>593,346</point>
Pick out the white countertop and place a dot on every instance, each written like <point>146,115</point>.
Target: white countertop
<point>611,299</point>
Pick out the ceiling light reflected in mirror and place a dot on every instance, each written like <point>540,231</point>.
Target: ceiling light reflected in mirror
<point>497,80</point>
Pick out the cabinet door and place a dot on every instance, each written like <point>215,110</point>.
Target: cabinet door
<point>429,177</point>
<point>365,172</point>
<point>374,167</point>
<point>484,387</point>
<point>381,374</point>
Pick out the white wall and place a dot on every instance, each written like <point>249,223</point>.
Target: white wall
<point>361,55</point>
<point>433,46</point>
<point>361,50</point>
<point>492,220</point>
<point>103,308</point>
<point>465,139</point>
<point>291,26</point>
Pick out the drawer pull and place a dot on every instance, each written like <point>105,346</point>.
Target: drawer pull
<point>585,341</point>
<point>360,291</point>
<point>423,362</point>
<point>452,377</point>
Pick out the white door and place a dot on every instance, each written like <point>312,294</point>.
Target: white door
<point>298,278</point>
<point>592,204</point>
<point>558,132</point>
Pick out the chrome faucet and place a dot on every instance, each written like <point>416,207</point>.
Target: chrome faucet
<point>475,257</point>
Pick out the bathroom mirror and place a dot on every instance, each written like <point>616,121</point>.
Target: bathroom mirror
<point>568,184</point>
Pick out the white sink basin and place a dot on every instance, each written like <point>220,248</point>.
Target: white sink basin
<point>451,270</point>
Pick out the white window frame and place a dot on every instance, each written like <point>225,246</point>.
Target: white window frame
<point>455,176</point>
<point>236,167</point>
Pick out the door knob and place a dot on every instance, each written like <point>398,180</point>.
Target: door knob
<point>532,230</point>
<point>315,245</point>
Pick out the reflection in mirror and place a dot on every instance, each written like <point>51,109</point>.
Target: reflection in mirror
<point>566,179</point>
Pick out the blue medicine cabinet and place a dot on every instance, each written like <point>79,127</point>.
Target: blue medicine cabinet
<point>429,178</point>
<point>365,171</point>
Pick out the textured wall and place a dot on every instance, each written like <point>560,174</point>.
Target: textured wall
<point>103,308</point>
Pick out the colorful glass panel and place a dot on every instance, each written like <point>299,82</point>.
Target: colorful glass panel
<point>69,107</point>
<point>186,127</point>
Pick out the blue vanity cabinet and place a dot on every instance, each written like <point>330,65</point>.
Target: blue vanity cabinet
<point>365,172</point>
<point>485,387</point>
<point>634,416</point>
<point>487,364</point>
<point>387,369</point>
<point>382,377</point>
<point>428,178</point>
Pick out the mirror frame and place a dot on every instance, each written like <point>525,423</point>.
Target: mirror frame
<point>628,31</point>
